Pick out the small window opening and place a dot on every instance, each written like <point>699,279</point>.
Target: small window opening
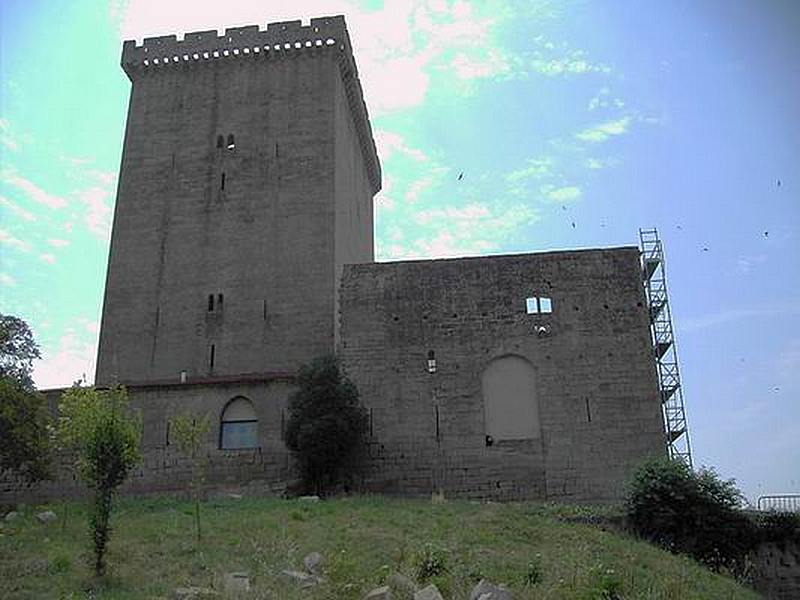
<point>545,305</point>
<point>211,303</point>
<point>166,439</point>
<point>220,141</point>
<point>231,142</point>
<point>436,408</point>
<point>531,306</point>
<point>211,357</point>
<point>222,182</point>
<point>264,306</point>
<point>219,301</point>
<point>431,361</point>
<point>588,411</point>
<point>489,440</point>
<point>370,422</point>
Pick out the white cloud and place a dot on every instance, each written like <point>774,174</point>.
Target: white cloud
<point>692,324</point>
<point>471,212</point>
<point>98,212</point>
<point>537,168</point>
<point>563,194</point>
<point>7,280</point>
<point>417,187</point>
<point>389,142</point>
<point>602,163</point>
<point>32,191</point>
<point>17,210</point>
<point>56,243</point>
<point>14,242</point>
<point>603,131</point>
<point>48,258</point>
<point>6,138</point>
<point>71,359</point>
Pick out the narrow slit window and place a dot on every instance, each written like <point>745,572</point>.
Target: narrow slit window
<point>231,142</point>
<point>531,306</point>
<point>211,357</point>
<point>211,303</point>
<point>431,361</point>
<point>545,305</point>
<point>219,301</point>
<point>222,182</point>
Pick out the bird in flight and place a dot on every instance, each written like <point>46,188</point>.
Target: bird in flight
<point>705,248</point>
<point>461,176</point>
<point>779,183</point>
<point>766,234</point>
<point>573,224</point>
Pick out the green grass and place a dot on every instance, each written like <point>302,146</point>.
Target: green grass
<point>526,546</point>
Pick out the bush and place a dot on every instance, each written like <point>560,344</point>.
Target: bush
<point>106,440</point>
<point>326,423</point>
<point>695,513</point>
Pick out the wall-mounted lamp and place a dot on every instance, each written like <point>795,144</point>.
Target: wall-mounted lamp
<point>183,376</point>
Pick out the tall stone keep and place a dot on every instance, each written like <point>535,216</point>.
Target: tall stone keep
<point>247,179</point>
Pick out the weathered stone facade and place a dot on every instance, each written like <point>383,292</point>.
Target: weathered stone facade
<point>242,247</point>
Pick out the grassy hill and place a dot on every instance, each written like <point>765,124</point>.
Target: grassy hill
<point>529,547</point>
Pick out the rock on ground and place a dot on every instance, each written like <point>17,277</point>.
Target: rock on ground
<point>236,582</point>
<point>428,593</point>
<point>12,516</point>
<point>486,590</point>
<point>313,563</point>
<point>381,593</point>
<point>304,580</point>
<point>194,593</point>
<point>402,585</point>
<point>46,516</point>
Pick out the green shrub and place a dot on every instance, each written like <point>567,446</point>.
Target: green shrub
<point>429,563</point>
<point>690,512</point>
<point>326,423</point>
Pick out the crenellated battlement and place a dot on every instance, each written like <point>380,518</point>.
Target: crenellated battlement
<point>278,41</point>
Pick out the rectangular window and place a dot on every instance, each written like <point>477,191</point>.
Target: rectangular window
<point>545,305</point>
<point>211,303</point>
<point>531,306</point>
<point>239,434</point>
<point>211,357</point>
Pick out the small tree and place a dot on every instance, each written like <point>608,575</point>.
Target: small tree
<point>190,433</point>
<point>97,425</point>
<point>695,513</point>
<point>326,423</point>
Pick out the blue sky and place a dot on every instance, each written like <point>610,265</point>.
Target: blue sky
<point>609,115</point>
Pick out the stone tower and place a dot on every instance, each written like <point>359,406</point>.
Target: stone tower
<point>248,172</point>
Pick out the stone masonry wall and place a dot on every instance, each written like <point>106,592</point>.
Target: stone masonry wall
<point>264,470</point>
<point>595,377</point>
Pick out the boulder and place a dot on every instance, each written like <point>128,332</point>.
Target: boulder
<point>486,590</point>
<point>309,498</point>
<point>236,583</point>
<point>381,593</point>
<point>428,593</point>
<point>404,586</point>
<point>46,516</point>
<point>12,516</point>
<point>313,563</point>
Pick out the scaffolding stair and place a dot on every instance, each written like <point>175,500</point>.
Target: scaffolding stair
<point>665,353</point>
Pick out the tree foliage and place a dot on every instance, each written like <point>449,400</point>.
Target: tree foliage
<point>25,424</point>
<point>695,513</point>
<point>326,423</point>
<point>190,433</point>
<point>24,419</point>
<point>18,349</point>
<point>105,437</point>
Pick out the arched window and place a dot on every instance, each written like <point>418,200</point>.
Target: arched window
<point>239,425</point>
<point>220,141</point>
<point>231,142</point>
<point>510,402</point>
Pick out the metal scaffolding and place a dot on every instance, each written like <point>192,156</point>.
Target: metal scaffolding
<point>666,355</point>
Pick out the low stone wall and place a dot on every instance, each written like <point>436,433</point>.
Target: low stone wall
<point>777,567</point>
